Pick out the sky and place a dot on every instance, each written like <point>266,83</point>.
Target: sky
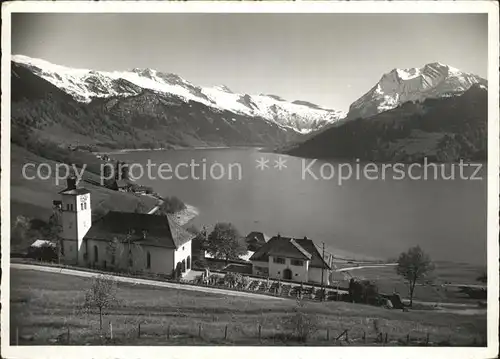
<point>327,59</point>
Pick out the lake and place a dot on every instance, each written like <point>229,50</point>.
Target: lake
<point>370,217</point>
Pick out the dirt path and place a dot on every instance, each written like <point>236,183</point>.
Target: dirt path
<point>136,281</point>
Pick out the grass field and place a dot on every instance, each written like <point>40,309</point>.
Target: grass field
<point>45,305</point>
<point>444,276</point>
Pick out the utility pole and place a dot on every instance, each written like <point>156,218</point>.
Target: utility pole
<point>322,273</point>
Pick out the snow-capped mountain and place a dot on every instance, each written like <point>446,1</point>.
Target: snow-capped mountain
<point>398,86</point>
<point>85,85</point>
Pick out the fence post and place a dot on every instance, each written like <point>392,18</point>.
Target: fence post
<point>17,335</point>
<point>260,331</point>
<point>407,338</point>
<point>67,336</point>
<point>328,334</point>
<point>225,333</point>
<point>346,335</point>
<point>111,330</point>
<point>427,339</point>
<point>199,331</point>
<point>168,332</point>
<point>139,331</point>
<point>364,336</point>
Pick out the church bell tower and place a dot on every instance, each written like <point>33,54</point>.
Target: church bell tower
<point>76,221</point>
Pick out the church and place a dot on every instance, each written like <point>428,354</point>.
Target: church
<point>134,242</point>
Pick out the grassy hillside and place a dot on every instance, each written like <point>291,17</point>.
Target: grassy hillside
<point>44,305</point>
<point>33,198</point>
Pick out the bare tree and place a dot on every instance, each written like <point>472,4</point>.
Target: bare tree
<point>101,295</point>
<point>414,265</point>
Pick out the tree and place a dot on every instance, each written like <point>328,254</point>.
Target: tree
<point>414,265</point>
<point>225,242</point>
<point>101,295</point>
<point>199,243</point>
<point>19,231</point>
<point>171,205</point>
<point>52,231</point>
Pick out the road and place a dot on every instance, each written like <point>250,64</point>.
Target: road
<point>140,281</point>
<point>368,266</point>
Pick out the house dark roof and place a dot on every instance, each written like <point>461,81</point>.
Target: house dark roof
<point>255,240</point>
<point>317,259</point>
<point>291,248</point>
<point>141,228</point>
<point>257,237</point>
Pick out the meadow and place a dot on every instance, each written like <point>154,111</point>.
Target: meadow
<point>47,308</point>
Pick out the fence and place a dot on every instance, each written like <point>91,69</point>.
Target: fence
<point>203,334</point>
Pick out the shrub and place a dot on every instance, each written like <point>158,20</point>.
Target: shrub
<point>302,324</point>
<point>363,292</point>
<point>245,281</point>
<point>46,252</point>
<point>232,279</point>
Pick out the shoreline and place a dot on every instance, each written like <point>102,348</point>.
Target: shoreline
<point>130,150</point>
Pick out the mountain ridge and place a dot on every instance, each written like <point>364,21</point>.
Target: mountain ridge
<point>148,119</point>
<point>445,129</point>
<point>433,80</point>
<point>85,85</point>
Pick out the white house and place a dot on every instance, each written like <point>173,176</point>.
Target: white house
<point>121,240</point>
<point>291,259</point>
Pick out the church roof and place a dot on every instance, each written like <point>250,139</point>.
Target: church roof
<point>140,228</point>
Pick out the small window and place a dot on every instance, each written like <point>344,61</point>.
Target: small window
<point>81,206</point>
<point>297,262</point>
<point>148,260</point>
<point>85,205</point>
<point>67,207</point>
<point>182,247</point>
<point>279,260</point>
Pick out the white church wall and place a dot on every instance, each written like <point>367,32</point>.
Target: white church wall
<point>182,253</point>
<point>161,259</point>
